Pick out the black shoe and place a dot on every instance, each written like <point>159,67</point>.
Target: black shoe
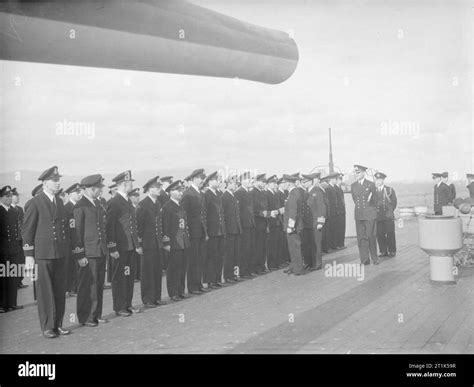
<point>15,307</point>
<point>195,292</point>
<point>366,263</point>
<point>131,309</point>
<point>159,303</point>
<point>62,332</point>
<point>3,310</point>
<point>22,286</point>
<point>176,298</point>
<point>391,255</point>
<point>50,334</point>
<point>91,324</point>
<point>150,305</point>
<point>383,255</point>
<point>376,262</point>
<point>204,290</point>
<point>230,281</point>
<point>183,296</point>
<point>123,313</point>
<point>212,286</point>
<point>102,321</point>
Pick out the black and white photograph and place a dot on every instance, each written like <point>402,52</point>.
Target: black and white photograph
<point>265,177</point>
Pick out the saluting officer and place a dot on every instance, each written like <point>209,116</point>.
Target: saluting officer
<point>175,241</point>
<point>442,194</point>
<point>317,207</point>
<point>283,253</point>
<point>74,193</point>
<point>149,222</point>
<point>214,228</point>
<point>470,184</point>
<point>274,224</point>
<point>9,251</point>
<point>294,225</point>
<point>123,243</point>
<point>365,214</point>
<point>192,202</point>
<point>261,214</point>
<point>233,228</point>
<point>340,219</point>
<point>386,204</point>
<point>248,225</point>
<point>89,242</point>
<point>46,248</point>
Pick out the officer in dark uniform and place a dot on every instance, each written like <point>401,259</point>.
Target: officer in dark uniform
<point>470,185</point>
<point>261,215</point>
<point>46,247</point>
<point>442,194</point>
<point>123,242</point>
<point>340,218</point>
<point>192,202</point>
<point>108,269</point>
<point>294,225</point>
<point>332,212</point>
<point>316,205</point>
<point>89,242</point>
<point>365,214</point>
<point>274,224</point>
<point>149,222</point>
<point>74,193</point>
<point>21,214</point>
<point>175,241</point>
<point>307,237</point>
<point>386,204</point>
<point>233,227</point>
<point>134,196</point>
<point>163,198</point>
<point>112,190</point>
<point>326,229</point>
<point>283,253</point>
<point>452,188</point>
<point>9,251</point>
<point>214,228</point>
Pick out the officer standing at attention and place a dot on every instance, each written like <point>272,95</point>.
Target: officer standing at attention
<point>163,198</point>
<point>74,193</point>
<point>386,204</point>
<point>442,194</point>
<point>21,214</point>
<point>470,184</point>
<point>149,223</point>
<point>9,251</point>
<point>46,248</point>
<point>283,253</point>
<point>192,202</point>
<point>134,196</point>
<point>175,241</point>
<point>365,213</point>
<point>90,250</point>
<point>123,242</point>
<point>233,227</point>
<point>261,214</point>
<point>248,225</point>
<point>274,224</point>
<point>215,230</point>
<point>294,225</point>
<point>340,219</point>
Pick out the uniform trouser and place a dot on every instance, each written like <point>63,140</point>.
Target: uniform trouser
<point>71,273</point>
<point>90,289</point>
<point>138,264</point>
<point>259,256</point>
<point>307,245</point>
<point>8,286</point>
<point>386,236</point>
<point>273,247</point>
<point>123,278</point>
<point>317,251</point>
<point>294,246</point>
<point>175,273</point>
<point>231,256</point>
<point>366,240</point>
<point>283,253</point>
<point>21,259</point>
<point>340,227</point>
<point>51,292</point>
<point>215,259</point>
<point>325,238</point>
<point>195,261</point>
<point>165,259</point>
<point>246,249</point>
<point>332,232</point>
<point>109,268</point>
<point>151,275</point>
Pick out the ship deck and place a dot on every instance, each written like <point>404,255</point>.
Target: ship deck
<point>394,309</point>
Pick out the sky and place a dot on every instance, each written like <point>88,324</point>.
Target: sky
<point>393,79</point>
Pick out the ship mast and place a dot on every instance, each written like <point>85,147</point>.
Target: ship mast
<point>331,163</point>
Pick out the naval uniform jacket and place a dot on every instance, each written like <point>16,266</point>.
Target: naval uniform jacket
<point>442,196</point>
<point>45,228</point>
<point>122,230</point>
<point>230,204</point>
<point>386,203</point>
<point>245,207</point>
<point>163,198</point>
<point>89,238</point>
<point>294,210</point>
<point>364,200</point>
<point>149,223</point>
<point>192,202</point>
<point>273,204</point>
<point>215,223</point>
<point>260,204</point>
<point>317,206</point>
<point>175,227</point>
<point>9,233</point>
